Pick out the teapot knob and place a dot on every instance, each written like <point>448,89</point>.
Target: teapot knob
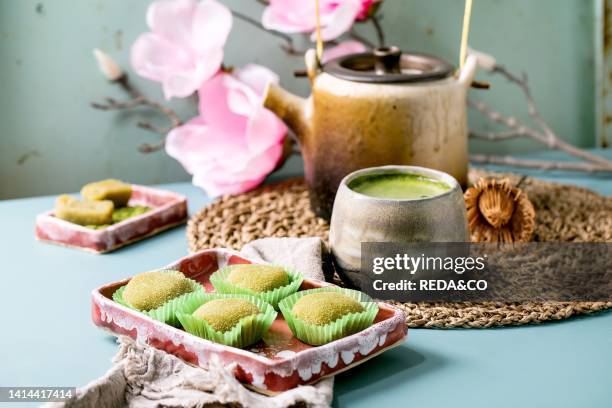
<point>387,60</point>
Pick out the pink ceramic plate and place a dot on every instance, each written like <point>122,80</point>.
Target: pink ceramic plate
<point>168,210</point>
<point>279,364</point>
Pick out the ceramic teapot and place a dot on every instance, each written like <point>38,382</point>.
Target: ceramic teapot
<point>374,109</point>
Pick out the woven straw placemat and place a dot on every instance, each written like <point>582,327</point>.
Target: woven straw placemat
<point>563,213</point>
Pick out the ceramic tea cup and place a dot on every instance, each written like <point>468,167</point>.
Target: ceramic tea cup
<point>364,212</point>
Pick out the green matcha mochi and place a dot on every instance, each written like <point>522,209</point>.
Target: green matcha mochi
<point>223,314</point>
<point>114,190</point>
<point>258,278</point>
<point>122,214</point>
<point>83,212</point>
<point>325,307</point>
<point>150,290</point>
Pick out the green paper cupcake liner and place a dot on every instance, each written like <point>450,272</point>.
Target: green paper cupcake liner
<point>348,324</point>
<point>166,313</point>
<point>249,329</point>
<point>221,285</point>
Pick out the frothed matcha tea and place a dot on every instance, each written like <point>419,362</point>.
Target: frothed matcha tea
<point>399,186</point>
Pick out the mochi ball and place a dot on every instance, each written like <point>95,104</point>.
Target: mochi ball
<point>150,290</point>
<point>322,308</point>
<point>223,314</point>
<point>258,278</point>
<point>114,190</point>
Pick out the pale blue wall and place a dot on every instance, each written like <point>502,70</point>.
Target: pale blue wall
<point>48,77</point>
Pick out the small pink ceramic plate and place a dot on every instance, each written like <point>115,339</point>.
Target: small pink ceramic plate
<point>280,363</point>
<point>168,210</point>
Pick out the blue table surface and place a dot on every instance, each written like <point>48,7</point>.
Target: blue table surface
<point>48,338</point>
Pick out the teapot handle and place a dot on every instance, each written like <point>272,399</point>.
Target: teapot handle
<point>312,63</point>
<point>466,76</point>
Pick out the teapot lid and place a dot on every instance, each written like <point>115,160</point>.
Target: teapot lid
<point>388,65</point>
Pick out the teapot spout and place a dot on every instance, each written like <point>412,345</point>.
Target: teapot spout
<point>290,108</point>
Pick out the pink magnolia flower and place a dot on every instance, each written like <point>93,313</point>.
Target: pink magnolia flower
<point>185,45</point>
<point>298,16</point>
<point>235,142</point>
<point>367,7</point>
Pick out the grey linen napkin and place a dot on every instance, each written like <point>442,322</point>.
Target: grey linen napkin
<point>143,376</point>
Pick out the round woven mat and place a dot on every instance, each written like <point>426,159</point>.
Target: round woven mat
<point>563,213</point>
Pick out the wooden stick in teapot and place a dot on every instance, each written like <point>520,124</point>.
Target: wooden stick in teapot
<point>318,34</point>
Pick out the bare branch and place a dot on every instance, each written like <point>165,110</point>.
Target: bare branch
<point>151,148</point>
<point>531,105</point>
<point>544,135</point>
<point>375,18</point>
<point>380,33</point>
<point>511,134</point>
<point>536,164</point>
<point>290,50</point>
<point>361,39</point>
<point>112,104</point>
<point>147,126</point>
<point>138,99</point>
<point>495,116</point>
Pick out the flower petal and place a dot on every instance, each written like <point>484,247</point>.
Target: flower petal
<point>183,84</point>
<point>217,181</point>
<point>214,109</point>
<point>246,87</point>
<point>340,20</point>
<point>180,84</point>
<point>261,164</point>
<point>184,144</point>
<point>155,58</point>
<point>185,45</point>
<point>229,150</point>
<point>197,145</point>
<point>289,16</point>
<point>264,129</point>
<point>241,99</point>
<point>344,48</point>
<point>216,189</point>
<point>367,7</point>
<point>256,77</point>
<point>172,19</point>
<point>212,24</point>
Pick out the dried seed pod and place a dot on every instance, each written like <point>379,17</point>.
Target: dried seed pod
<point>499,212</point>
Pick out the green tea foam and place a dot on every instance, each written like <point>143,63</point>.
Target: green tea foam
<point>398,186</point>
